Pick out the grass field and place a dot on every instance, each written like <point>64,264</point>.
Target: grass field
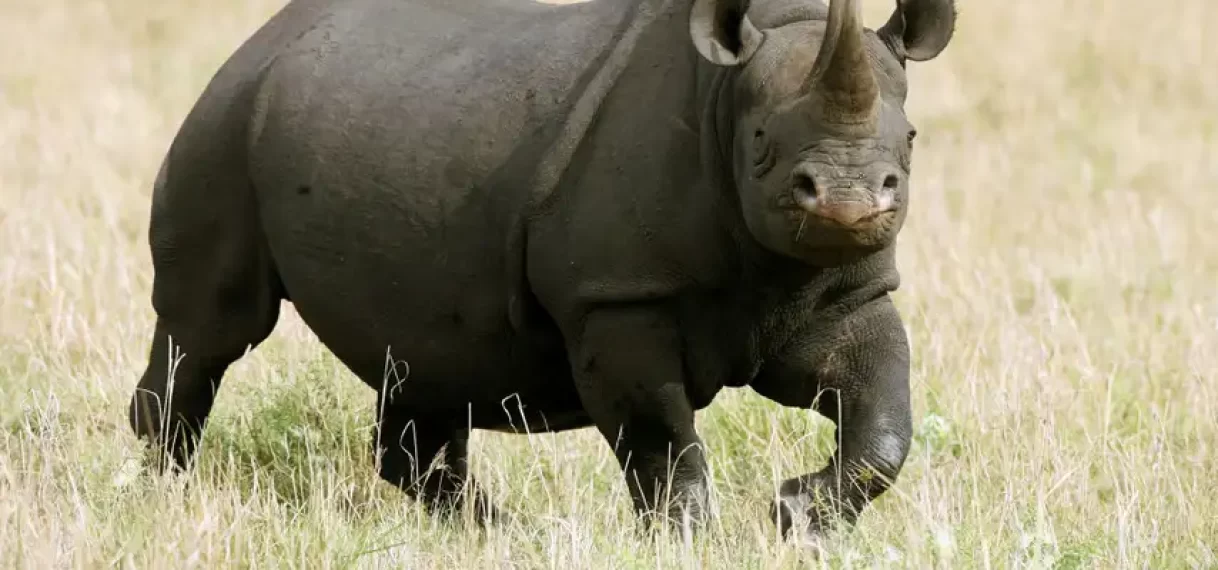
<point>1060,286</point>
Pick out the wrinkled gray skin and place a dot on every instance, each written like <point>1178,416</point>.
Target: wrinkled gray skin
<point>598,214</point>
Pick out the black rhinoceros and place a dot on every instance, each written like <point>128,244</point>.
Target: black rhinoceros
<point>597,214</point>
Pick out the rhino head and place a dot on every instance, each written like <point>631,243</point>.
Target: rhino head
<point>820,143</point>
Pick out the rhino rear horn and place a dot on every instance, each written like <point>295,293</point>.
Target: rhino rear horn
<point>842,73</point>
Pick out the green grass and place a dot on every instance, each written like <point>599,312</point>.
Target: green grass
<point>1059,274</point>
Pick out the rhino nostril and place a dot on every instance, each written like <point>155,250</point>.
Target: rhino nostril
<point>891,182</point>
<point>803,187</point>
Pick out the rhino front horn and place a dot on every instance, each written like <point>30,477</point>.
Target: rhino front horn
<point>842,74</point>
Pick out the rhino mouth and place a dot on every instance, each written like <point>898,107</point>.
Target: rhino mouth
<point>867,232</point>
<point>865,222</point>
<point>853,216</point>
<point>849,208</point>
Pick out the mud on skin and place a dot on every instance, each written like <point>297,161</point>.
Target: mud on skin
<point>606,212</point>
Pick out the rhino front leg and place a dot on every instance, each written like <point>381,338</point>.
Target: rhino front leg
<point>860,368</point>
<point>628,369</point>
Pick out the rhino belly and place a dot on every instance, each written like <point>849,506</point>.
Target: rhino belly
<point>412,294</point>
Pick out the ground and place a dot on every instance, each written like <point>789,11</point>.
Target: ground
<point>1059,274</point>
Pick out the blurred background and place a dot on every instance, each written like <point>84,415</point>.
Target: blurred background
<point>1059,284</point>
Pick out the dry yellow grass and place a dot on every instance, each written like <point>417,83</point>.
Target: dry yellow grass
<point>1059,285</point>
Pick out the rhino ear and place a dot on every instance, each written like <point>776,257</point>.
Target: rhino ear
<point>920,29</point>
<point>722,32</point>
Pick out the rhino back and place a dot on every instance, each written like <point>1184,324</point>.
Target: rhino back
<point>418,106</point>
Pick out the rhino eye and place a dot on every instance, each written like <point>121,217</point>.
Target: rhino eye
<point>763,155</point>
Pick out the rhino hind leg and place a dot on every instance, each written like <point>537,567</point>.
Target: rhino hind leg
<point>201,329</point>
<point>429,461</point>
<point>215,291</point>
<point>186,363</point>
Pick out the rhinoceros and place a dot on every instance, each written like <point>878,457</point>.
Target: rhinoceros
<point>555,217</point>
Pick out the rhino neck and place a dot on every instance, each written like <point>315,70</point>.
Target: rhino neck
<point>716,95</point>
<point>716,101</point>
